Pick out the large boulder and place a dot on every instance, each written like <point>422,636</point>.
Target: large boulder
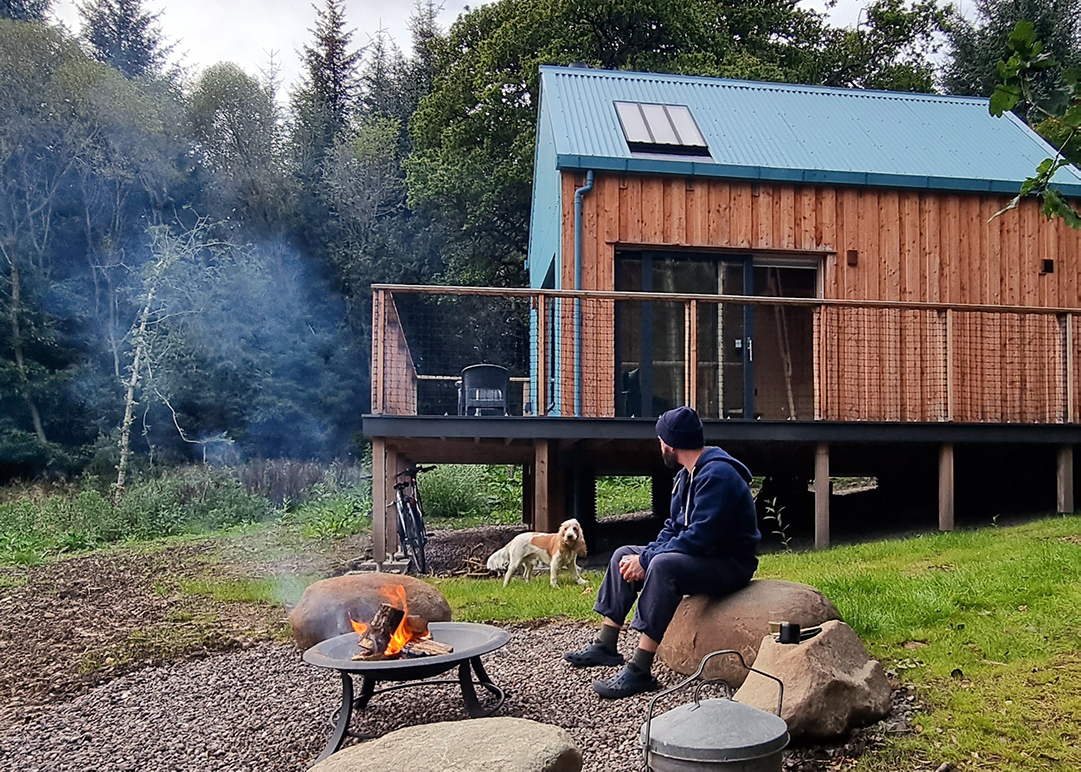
<point>326,606</point>
<point>738,621</point>
<point>831,684</point>
<point>474,745</point>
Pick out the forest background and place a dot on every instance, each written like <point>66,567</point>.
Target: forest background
<point>186,255</point>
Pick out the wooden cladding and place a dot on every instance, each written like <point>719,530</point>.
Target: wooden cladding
<point>905,245</point>
<point>394,376</point>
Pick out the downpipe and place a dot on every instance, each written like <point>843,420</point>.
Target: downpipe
<point>579,194</point>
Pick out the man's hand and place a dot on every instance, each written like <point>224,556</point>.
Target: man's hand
<point>630,568</point>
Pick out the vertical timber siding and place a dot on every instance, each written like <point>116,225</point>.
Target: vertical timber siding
<point>915,246</point>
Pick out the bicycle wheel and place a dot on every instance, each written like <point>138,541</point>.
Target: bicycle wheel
<point>414,525</point>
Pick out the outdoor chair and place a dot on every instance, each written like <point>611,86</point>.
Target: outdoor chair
<point>482,390</point>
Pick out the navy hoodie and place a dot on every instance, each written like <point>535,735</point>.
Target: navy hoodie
<point>712,512</point>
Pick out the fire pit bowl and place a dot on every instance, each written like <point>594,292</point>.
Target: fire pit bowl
<point>470,642</point>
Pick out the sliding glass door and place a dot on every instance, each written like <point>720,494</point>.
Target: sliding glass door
<point>652,336</point>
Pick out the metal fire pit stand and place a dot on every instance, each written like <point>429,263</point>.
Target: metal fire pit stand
<point>470,641</point>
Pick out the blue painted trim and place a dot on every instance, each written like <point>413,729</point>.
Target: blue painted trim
<point>698,168</point>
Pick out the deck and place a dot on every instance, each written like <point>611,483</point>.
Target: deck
<point>853,384</point>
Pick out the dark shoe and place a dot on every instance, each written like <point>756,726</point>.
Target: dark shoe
<point>592,656</point>
<point>627,682</point>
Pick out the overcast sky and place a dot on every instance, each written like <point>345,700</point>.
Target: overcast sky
<point>246,31</point>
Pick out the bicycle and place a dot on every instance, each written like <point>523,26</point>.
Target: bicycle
<point>412,535</point>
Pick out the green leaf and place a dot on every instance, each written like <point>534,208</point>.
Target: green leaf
<point>1004,99</point>
<point>1072,117</point>
<point>1023,37</point>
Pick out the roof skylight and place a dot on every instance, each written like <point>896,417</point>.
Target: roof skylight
<point>665,129</point>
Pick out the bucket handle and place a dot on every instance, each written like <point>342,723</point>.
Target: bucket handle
<point>698,689</point>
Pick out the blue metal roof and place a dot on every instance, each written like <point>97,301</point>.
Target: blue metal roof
<point>783,132</point>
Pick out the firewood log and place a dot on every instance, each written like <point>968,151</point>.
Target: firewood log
<point>426,648</point>
<point>382,627</point>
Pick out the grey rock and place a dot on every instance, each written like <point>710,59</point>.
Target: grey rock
<point>831,685</point>
<point>738,621</point>
<point>478,745</point>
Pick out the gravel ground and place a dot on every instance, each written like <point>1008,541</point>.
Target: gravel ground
<point>264,709</point>
<point>192,706</point>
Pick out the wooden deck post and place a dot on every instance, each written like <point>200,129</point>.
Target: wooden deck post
<point>690,367</point>
<point>945,488</point>
<point>379,500</point>
<point>1071,389</point>
<point>550,495</point>
<point>1065,479</point>
<point>541,407</point>
<point>822,496</point>
<point>379,332</point>
<point>394,464</point>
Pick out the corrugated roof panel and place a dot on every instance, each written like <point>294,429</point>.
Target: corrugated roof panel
<point>784,131</point>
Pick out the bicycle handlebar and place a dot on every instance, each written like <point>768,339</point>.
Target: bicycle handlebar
<point>414,471</point>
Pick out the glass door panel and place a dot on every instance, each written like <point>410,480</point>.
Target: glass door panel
<point>651,336</point>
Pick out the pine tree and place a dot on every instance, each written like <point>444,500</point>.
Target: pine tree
<point>122,34</point>
<point>24,10</point>
<point>425,33</point>
<point>330,77</point>
<point>381,90</point>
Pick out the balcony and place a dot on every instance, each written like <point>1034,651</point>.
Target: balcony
<point>613,355</point>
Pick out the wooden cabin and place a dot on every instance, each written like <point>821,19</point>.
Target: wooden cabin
<point>826,275</point>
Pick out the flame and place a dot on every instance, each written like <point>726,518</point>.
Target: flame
<point>401,636</point>
<point>358,627</point>
<point>396,597</point>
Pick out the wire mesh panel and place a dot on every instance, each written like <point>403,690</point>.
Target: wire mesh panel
<point>1073,354</point>
<point>604,355</point>
<point>650,355</point>
<point>438,336</point>
<point>1009,367</point>
<point>882,364</point>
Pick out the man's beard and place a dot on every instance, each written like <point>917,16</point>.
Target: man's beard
<point>668,456</point>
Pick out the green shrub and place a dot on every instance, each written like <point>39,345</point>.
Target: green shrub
<point>333,515</point>
<point>455,490</point>
<point>189,500</point>
<point>623,495</point>
<point>35,527</point>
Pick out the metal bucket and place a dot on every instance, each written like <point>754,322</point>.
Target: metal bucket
<point>714,734</point>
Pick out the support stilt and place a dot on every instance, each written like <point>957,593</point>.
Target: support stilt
<point>822,496</point>
<point>379,500</point>
<point>945,488</point>
<point>1065,479</point>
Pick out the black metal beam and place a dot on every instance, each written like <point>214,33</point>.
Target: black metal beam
<point>717,431</point>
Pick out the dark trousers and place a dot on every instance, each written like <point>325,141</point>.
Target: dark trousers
<point>670,576</point>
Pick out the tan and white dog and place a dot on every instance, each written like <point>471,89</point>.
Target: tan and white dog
<point>527,551</point>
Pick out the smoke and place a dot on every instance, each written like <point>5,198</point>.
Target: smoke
<point>249,357</point>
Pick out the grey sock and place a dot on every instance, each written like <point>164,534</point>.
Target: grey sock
<point>643,660</point>
<point>607,638</point>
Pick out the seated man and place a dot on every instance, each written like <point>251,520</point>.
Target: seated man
<point>707,547</point>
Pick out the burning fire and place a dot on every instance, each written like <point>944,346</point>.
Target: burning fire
<point>403,634</point>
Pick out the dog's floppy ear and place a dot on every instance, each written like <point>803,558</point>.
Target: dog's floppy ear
<point>580,548</point>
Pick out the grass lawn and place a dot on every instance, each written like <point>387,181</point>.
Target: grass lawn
<point>983,624</point>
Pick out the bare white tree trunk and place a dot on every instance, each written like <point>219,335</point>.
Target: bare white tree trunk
<point>129,397</point>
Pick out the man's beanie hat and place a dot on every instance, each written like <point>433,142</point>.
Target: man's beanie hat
<point>681,428</point>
